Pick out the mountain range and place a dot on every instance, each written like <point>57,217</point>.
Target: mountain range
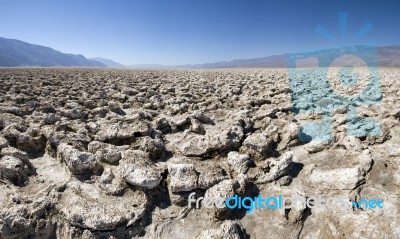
<point>16,53</point>
<point>108,62</point>
<point>388,56</point>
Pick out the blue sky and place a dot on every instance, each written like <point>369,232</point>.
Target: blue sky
<point>193,31</point>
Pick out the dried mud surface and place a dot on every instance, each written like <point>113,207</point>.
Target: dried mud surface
<point>100,153</point>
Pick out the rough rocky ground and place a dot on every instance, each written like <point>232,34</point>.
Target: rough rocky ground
<point>99,153</point>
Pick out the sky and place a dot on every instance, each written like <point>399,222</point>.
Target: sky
<point>173,32</point>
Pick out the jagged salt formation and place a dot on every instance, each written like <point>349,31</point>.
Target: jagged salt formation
<point>116,153</point>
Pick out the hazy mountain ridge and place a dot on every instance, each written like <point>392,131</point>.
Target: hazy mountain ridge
<point>108,62</point>
<point>16,53</point>
<point>388,56</point>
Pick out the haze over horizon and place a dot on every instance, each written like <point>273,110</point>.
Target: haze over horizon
<point>183,32</point>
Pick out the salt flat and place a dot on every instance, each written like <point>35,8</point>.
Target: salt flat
<point>107,153</point>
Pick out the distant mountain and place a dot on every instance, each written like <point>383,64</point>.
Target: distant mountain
<point>388,56</point>
<point>108,62</point>
<point>269,61</point>
<point>15,53</point>
<point>151,66</point>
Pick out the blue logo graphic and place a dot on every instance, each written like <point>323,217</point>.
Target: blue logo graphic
<point>338,78</point>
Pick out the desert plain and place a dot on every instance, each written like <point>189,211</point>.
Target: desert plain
<point>115,153</point>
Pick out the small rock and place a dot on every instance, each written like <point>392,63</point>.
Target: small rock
<point>137,169</point>
<point>352,143</point>
<point>224,189</point>
<point>115,107</point>
<point>239,162</point>
<point>111,184</point>
<point>257,145</point>
<point>79,163</point>
<point>203,118</point>
<point>183,177</point>
<point>154,147</point>
<point>337,179</point>
<point>394,150</point>
<point>122,130</point>
<point>228,230</point>
<point>14,170</point>
<point>210,175</point>
<point>197,127</point>
<point>107,176</point>
<point>11,151</point>
<point>277,169</point>
<point>317,146</point>
<point>106,152</point>
<point>3,142</point>
<point>50,119</point>
<point>143,177</point>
